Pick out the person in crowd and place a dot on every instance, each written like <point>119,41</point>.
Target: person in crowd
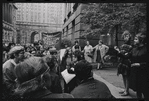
<point>40,44</point>
<point>64,65</point>
<point>100,51</point>
<point>27,52</point>
<point>5,52</point>
<point>16,56</point>
<point>87,52</point>
<point>33,80</point>
<point>139,72</point>
<point>10,45</point>
<point>124,66</point>
<point>89,87</point>
<point>63,62</point>
<point>46,51</point>
<point>76,46</point>
<point>71,60</point>
<point>36,46</point>
<point>54,53</point>
<point>55,79</point>
<point>38,52</point>
<point>77,56</point>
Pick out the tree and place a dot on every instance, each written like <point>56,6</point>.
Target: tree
<point>106,17</point>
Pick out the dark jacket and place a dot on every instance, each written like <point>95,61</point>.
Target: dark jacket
<point>63,62</point>
<point>92,89</point>
<point>139,76</point>
<point>56,85</point>
<point>46,94</point>
<point>9,77</point>
<point>124,66</point>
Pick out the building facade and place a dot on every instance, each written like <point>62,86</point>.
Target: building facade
<point>50,13</point>
<point>38,17</point>
<point>9,22</point>
<point>73,27</point>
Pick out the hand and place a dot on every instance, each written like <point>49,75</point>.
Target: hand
<point>135,64</point>
<point>126,53</point>
<point>72,69</point>
<point>116,48</point>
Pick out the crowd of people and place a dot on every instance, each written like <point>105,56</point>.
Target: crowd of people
<point>32,71</point>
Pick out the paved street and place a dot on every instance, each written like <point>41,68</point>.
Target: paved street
<point>114,82</point>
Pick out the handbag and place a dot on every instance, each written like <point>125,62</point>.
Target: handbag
<point>90,55</point>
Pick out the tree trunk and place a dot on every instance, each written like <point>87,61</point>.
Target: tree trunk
<point>137,27</point>
<point>116,35</point>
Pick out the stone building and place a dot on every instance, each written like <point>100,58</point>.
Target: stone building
<point>33,19</point>
<point>73,26</point>
<point>9,22</point>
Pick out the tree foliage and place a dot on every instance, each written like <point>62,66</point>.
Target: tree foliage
<point>104,17</point>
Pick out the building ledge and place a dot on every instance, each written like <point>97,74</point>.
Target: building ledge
<point>69,14</point>
<point>75,6</point>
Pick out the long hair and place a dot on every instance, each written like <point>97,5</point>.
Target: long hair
<point>125,33</point>
<point>79,55</point>
<point>142,38</point>
<point>30,74</point>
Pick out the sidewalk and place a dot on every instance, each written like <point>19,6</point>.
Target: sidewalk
<point>115,83</point>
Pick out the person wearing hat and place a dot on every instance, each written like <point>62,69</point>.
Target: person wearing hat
<point>16,55</point>
<point>89,87</point>
<point>34,80</point>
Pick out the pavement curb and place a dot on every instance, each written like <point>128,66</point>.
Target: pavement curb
<point>114,90</point>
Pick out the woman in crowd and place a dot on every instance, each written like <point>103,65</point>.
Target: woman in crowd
<point>16,56</point>
<point>55,79</point>
<point>33,80</point>
<point>100,51</point>
<point>88,52</point>
<point>65,65</point>
<point>10,45</point>
<point>46,51</point>
<point>76,46</point>
<point>124,66</point>
<point>76,57</point>
<point>5,52</point>
<point>139,74</point>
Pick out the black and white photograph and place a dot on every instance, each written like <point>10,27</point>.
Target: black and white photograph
<point>74,50</point>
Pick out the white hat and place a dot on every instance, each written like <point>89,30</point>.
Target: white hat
<point>15,48</point>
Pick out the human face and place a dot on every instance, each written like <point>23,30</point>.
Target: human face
<point>21,56</point>
<point>66,46</point>
<point>12,46</point>
<point>68,60</point>
<point>74,58</point>
<point>126,38</point>
<point>99,43</point>
<point>28,49</point>
<point>76,43</point>
<point>54,55</point>
<point>87,42</point>
<point>136,41</point>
